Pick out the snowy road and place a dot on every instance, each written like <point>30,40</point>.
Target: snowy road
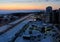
<point>11,33</point>
<point>8,35</point>
<point>9,26</point>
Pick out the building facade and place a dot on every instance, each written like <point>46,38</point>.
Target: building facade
<point>48,11</point>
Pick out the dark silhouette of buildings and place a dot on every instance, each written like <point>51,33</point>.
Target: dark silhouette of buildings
<point>53,16</point>
<point>48,11</point>
<point>59,18</point>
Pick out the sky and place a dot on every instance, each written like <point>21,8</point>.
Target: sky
<point>28,4</point>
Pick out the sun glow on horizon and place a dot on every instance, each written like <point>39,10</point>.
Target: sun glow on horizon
<point>28,6</point>
<point>19,7</point>
<point>24,7</point>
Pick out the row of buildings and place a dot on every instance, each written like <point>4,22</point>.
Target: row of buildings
<point>52,16</point>
<point>49,16</point>
<point>7,18</point>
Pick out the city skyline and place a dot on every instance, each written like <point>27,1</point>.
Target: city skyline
<point>28,4</point>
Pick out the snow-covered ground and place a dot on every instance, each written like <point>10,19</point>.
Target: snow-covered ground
<point>4,27</point>
<point>11,33</point>
<point>12,23</point>
<point>7,36</point>
<point>43,38</point>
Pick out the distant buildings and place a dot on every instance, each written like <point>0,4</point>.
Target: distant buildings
<point>7,18</point>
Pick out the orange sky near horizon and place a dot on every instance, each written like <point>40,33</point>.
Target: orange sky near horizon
<point>28,4</point>
<point>25,6</point>
<point>20,7</point>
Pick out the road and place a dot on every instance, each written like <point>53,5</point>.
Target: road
<point>9,26</point>
<point>11,33</point>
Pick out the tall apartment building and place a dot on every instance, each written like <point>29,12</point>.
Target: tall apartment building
<point>48,11</point>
